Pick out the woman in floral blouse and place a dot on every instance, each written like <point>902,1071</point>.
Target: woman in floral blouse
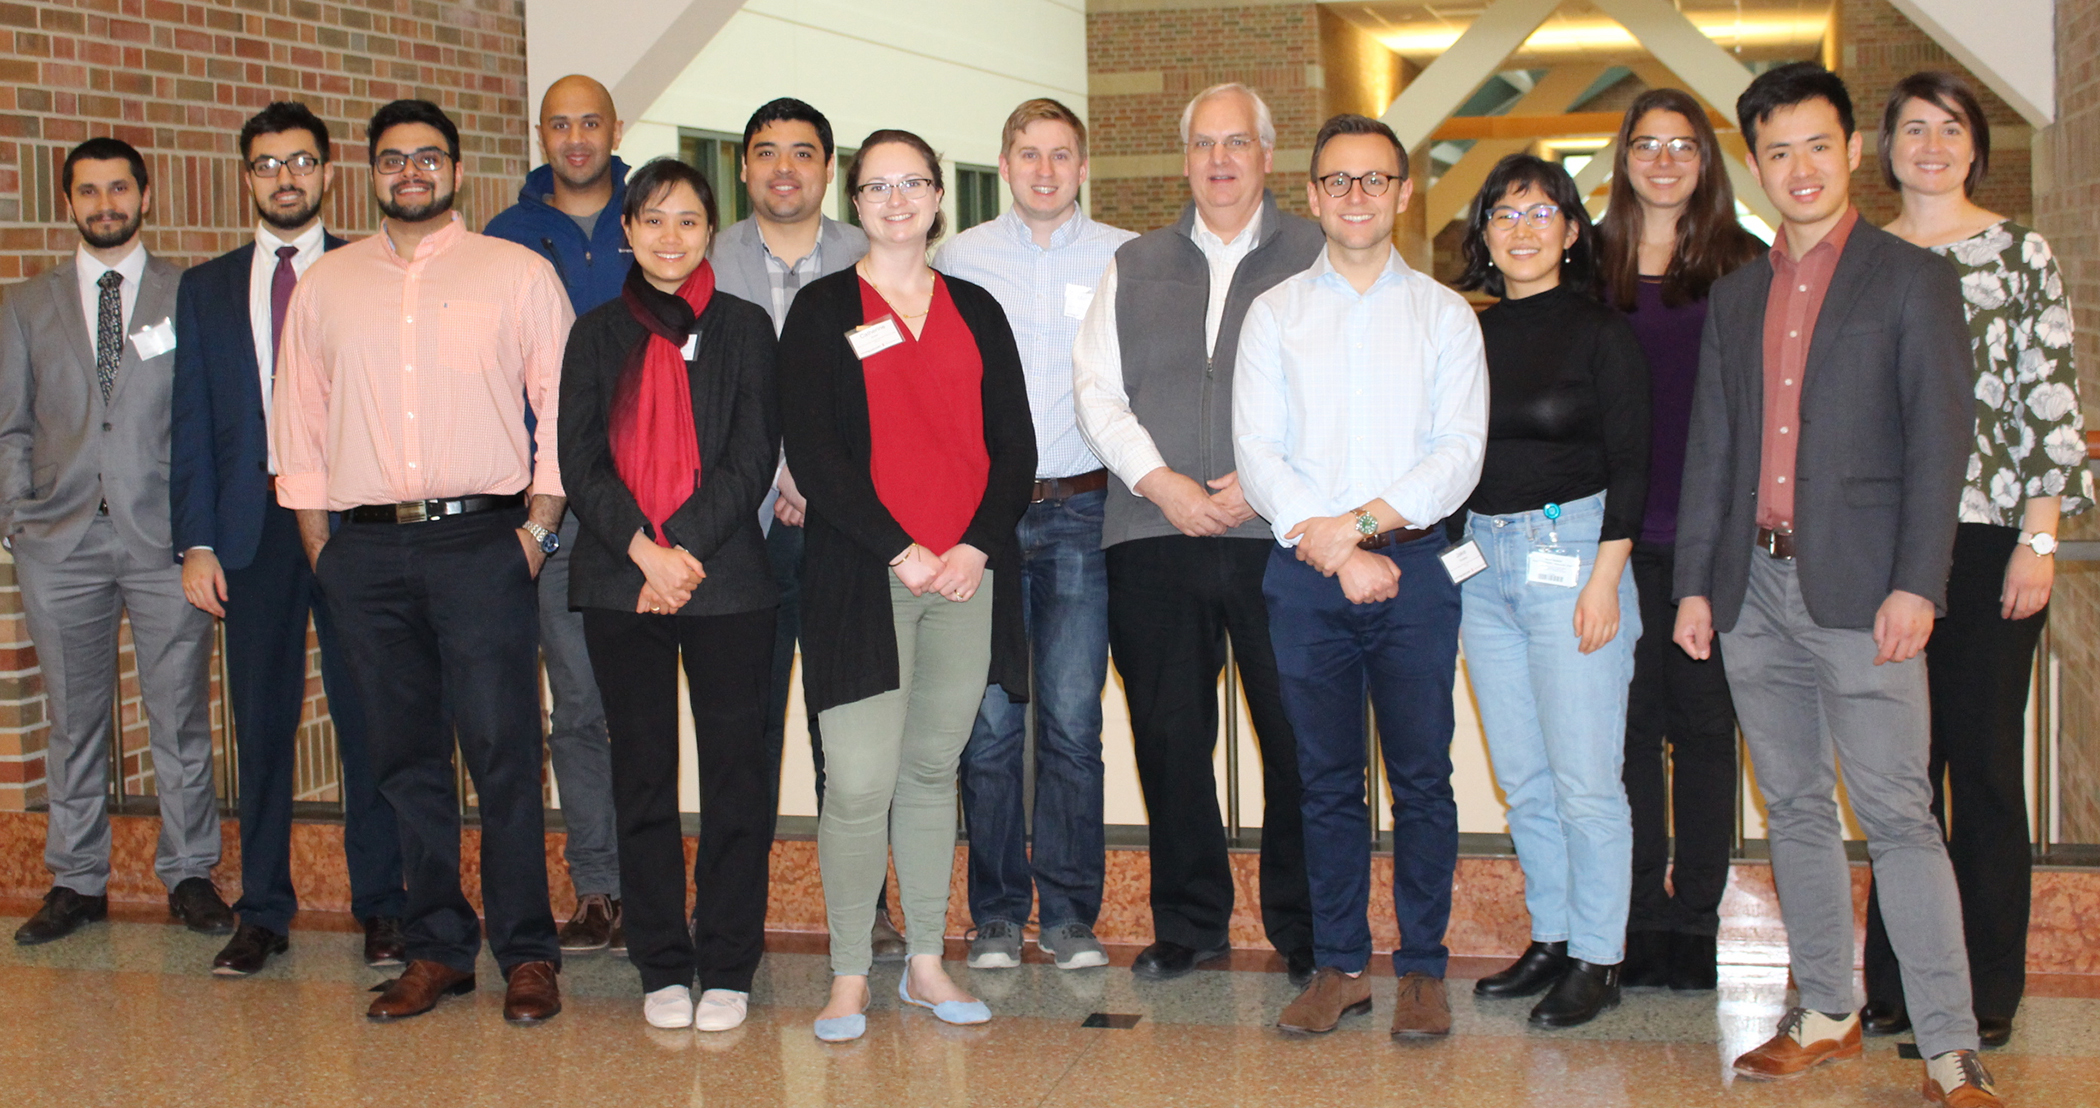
<point>2027,468</point>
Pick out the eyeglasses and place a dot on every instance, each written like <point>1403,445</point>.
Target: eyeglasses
<point>911,188</point>
<point>1337,184</point>
<point>1234,143</point>
<point>303,165</point>
<point>429,161</point>
<point>1646,149</point>
<point>1540,216</point>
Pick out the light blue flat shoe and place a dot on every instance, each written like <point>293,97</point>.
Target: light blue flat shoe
<point>843,1029</point>
<point>947,1011</point>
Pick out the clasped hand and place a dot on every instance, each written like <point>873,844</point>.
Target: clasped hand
<point>955,575</point>
<point>669,574</point>
<point>1192,510</point>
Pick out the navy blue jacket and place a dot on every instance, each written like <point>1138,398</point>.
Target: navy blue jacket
<point>219,454</point>
<point>591,270</point>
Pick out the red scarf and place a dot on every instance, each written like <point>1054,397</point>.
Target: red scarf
<point>655,445</point>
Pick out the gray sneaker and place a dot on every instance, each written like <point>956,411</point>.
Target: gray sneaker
<point>996,945</point>
<point>1073,945</point>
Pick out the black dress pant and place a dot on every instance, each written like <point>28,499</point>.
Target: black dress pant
<point>441,622</point>
<point>1677,708</point>
<point>728,665</point>
<point>1979,665</point>
<point>1172,601</point>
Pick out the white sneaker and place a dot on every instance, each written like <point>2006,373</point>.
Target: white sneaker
<point>721,1010</point>
<point>670,1006</point>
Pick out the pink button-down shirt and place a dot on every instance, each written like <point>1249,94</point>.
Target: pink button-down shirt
<point>407,380</point>
<point>1791,310</point>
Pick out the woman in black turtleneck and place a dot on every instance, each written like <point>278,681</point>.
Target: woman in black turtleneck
<point>1558,506</point>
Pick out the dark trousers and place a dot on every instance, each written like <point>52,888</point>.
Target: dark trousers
<point>1978,666</point>
<point>267,602</point>
<point>1677,709</point>
<point>728,662</point>
<point>1404,652</point>
<point>1172,601</point>
<point>441,622</point>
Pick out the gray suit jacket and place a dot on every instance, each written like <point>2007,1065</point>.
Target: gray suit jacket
<point>739,257</point>
<point>62,450</point>
<point>1886,419</point>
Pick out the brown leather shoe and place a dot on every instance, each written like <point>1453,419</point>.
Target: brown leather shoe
<point>1957,1079</point>
<point>1331,995</point>
<point>1805,1040</point>
<point>384,945</point>
<point>417,990</point>
<point>591,927</point>
<point>534,994</point>
<point>1420,1008</point>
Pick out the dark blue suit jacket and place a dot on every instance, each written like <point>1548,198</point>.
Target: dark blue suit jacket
<point>219,460</point>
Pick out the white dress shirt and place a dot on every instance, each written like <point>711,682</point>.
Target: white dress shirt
<point>1098,395</point>
<point>90,270</point>
<point>260,274</point>
<point>1340,398</point>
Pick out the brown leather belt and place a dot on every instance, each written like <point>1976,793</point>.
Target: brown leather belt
<point>423,511</point>
<point>1394,537</point>
<point>1779,544</point>
<point>1064,488</point>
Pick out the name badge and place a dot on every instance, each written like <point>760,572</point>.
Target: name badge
<point>1559,570</point>
<point>870,339</point>
<point>1463,561</point>
<point>1078,298</point>
<point>692,346</point>
<point>152,342</point>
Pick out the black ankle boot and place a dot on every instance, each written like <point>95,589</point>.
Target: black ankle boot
<point>1540,966</point>
<point>1694,963</point>
<point>1583,992</point>
<point>1648,964</point>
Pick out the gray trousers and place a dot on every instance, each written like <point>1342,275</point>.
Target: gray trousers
<point>73,609</point>
<point>576,740</point>
<point>1810,697</point>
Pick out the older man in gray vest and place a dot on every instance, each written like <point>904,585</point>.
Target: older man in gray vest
<point>1152,381</point>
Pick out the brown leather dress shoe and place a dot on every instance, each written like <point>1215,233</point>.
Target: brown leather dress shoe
<point>1420,1008</point>
<point>1957,1079</point>
<point>1331,995</point>
<point>417,990</point>
<point>1799,1047</point>
<point>591,927</point>
<point>248,951</point>
<point>534,994</point>
<point>383,943</point>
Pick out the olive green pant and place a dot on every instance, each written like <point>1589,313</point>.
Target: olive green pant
<point>889,774</point>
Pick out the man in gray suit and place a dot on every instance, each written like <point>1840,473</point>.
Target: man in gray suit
<point>1830,426</point>
<point>87,360</point>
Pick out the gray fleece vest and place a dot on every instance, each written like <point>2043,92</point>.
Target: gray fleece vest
<point>1179,391</point>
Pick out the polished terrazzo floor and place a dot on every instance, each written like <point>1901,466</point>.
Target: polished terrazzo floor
<point>126,1013</point>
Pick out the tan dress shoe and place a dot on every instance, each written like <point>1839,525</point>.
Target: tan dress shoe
<point>1957,1079</point>
<point>417,990</point>
<point>1420,1008</point>
<point>1330,995</point>
<point>1805,1040</point>
<point>534,993</point>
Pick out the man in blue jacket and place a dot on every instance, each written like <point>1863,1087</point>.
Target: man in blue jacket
<point>569,210</point>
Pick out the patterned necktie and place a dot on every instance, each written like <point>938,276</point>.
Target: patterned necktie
<point>281,283</point>
<point>109,332</point>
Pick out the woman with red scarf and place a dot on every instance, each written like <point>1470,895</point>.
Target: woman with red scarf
<point>668,444</point>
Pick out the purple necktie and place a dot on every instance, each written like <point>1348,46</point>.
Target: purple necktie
<point>281,284</point>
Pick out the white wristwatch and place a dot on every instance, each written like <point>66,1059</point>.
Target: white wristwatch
<point>2041,542</point>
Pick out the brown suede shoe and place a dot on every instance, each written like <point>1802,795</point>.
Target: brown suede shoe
<point>534,994</point>
<point>1805,1040</point>
<point>417,990</point>
<point>1420,1009</point>
<point>1331,995</point>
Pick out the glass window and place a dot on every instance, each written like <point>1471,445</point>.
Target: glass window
<point>715,155</point>
<point>978,196</point>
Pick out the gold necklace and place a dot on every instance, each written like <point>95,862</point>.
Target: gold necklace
<point>861,268</point>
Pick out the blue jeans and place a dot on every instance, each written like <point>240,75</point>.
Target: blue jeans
<point>1064,606</point>
<point>1556,728</point>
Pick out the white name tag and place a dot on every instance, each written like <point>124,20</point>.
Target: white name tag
<point>692,345</point>
<point>1078,298</point>
<point>1559,570</point>
<point>870,339</point>
<point>152,342</point>
<point>1463,561</point>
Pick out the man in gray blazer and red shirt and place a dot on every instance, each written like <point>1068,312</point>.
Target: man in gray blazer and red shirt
<point>1830,425</point>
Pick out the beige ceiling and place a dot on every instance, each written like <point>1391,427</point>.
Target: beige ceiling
<point>1754,30</point>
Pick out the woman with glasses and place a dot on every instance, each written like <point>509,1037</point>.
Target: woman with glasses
<point>2026,469</point>
<point>907,426</point>
<point>1555,514</point>
<point>1670,232</point>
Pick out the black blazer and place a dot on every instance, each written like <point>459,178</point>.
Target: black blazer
<point>739,432</point>
<point>1886,421</point>
<point>849,644</point>
<point>219,458</point>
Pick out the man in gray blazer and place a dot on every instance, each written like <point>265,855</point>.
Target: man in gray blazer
<point>1830,427</point>
<point>87,359</point>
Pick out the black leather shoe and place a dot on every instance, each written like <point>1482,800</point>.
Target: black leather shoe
<point>1647,964</point>
<point>63,913</point>
<point>1299,965</point>
<point>1541,965</point>
<point>1581,994</point>
<point>1884,1017</point>
<point>383,943</point>
<point>1165,961</point>
<point>196,903</point>
<point>1694,963</point>
<point>249,950</point>
<point>1993,1031</point>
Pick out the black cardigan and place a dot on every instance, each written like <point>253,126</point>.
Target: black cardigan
<point>849,645</point>
<point>739,431</point>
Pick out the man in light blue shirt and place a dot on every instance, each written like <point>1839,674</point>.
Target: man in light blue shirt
<point>1359,420</point>
<point>1042,260</point>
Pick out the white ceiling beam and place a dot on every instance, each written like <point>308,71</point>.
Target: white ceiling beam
<point>1494,35</point>
<point>1677,42</point>
<point>635,48</point>
<point>1556,92</point>
<point>2005,43</point>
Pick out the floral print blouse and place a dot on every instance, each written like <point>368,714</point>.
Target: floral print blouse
<point>2030,434</point>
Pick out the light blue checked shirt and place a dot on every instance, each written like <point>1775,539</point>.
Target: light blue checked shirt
<point>1045,294</point>
<point>1340,398</point>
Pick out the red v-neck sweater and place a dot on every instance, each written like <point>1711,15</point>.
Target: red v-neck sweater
<point>926,422</point>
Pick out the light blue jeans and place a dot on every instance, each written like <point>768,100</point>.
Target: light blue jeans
<point>1556,727</point>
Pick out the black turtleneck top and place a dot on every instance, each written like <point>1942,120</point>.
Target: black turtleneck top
<point>1567,409</point>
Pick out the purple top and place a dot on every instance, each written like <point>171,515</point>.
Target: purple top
<point>1670,339</point>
